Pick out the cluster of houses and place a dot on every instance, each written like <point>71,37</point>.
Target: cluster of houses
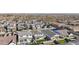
<point>22,32</point>
<point>32,25</point>
<point>42,33</point>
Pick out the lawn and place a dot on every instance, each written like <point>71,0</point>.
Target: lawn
<point>61,41</point>
<point>40,41</point>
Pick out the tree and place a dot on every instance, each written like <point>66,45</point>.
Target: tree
<point>56,42</point>
<point>67,40</point>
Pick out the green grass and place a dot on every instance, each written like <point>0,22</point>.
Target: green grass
<point>40,41</point>
<point>61,41</point>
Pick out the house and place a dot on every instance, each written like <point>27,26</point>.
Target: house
<point>7,38</point>
<point>20,26</point>
<point>75,28</point>
<point>38,34</point>
<point>38,26</point>
<point>12,26</point>
<point>24,37</point>
<point>74,25</point>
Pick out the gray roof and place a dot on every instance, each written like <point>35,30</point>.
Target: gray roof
<point>48,32</point>
<point>20,33</point>
<point>76,42</point>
